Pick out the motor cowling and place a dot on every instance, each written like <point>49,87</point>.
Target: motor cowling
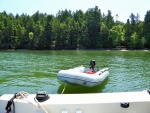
<point>92,64</point>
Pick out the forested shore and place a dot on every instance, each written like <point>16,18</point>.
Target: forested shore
<point>73,30</point>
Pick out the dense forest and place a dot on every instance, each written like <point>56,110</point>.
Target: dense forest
<point>73,30</point>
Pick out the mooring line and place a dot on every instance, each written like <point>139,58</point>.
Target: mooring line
<point>64,88</point>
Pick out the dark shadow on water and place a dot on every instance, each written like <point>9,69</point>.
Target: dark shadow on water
<point>81,89</point>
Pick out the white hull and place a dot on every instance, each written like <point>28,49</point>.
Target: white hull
<point>79,76</point>
<point>139,102</point>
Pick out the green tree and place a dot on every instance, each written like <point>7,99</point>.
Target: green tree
<point>104,36</point>
<point>74,35</point>
<point>8,32</point>
<point>2,29</point>
<point>63,15</point>
<point>108,23</point>
<point>117,35</point>
<point>38,31</point>
<point>93,23</point>
<point>133,23</point>
<point>71,30</point>
<point>128,33</point>
<point>81,28</point>
<point>109,20</point>
<point>61,40</point>
<point>29,27</point>
<point>47,36</point>
<point>146,29</point>
<point>134,41</point>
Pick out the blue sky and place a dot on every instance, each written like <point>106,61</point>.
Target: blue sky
<point>123,8</point>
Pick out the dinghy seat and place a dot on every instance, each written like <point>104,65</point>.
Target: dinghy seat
<point>90,72</point>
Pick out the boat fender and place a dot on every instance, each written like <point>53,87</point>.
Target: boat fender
<point>42,96</point>
<point>124,105</point>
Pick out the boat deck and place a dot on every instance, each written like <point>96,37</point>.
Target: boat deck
<point>138,102</point>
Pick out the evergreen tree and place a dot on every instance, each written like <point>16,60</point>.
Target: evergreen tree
<point>128,33</point>
<point>81,28</point>
<point>93,22</point>
<point>47,36</point>
<point>72,30</point>
<point>146,29</point>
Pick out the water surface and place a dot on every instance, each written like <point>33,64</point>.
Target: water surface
<point>33,71</point>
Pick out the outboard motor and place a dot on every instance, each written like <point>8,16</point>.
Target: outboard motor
<point>92,64</point>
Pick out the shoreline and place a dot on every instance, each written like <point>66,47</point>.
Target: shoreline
<point>107,49</point>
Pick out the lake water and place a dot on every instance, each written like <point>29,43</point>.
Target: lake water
<point>33,71</point>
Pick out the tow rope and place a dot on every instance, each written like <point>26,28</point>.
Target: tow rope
<point>21,95</point>
<point>64,88</point>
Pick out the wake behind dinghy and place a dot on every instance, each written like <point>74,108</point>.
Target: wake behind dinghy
<point>83,76</point>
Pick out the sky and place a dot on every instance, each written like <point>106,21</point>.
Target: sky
<point>123,8</point>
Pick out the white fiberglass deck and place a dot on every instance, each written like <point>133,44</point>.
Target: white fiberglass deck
<point>139,102</point>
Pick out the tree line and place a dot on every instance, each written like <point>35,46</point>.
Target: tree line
<point>73,30</point>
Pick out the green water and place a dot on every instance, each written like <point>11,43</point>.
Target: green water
<point>33,71</point>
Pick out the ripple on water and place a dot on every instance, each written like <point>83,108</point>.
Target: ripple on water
<point>32,71</point>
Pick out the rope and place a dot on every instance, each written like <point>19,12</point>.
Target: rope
<point>64,88</point>
<point>21,95</point>
<point>24,95</point>
<point>39,106</point>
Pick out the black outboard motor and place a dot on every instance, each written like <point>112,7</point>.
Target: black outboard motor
<point>92,64</point>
